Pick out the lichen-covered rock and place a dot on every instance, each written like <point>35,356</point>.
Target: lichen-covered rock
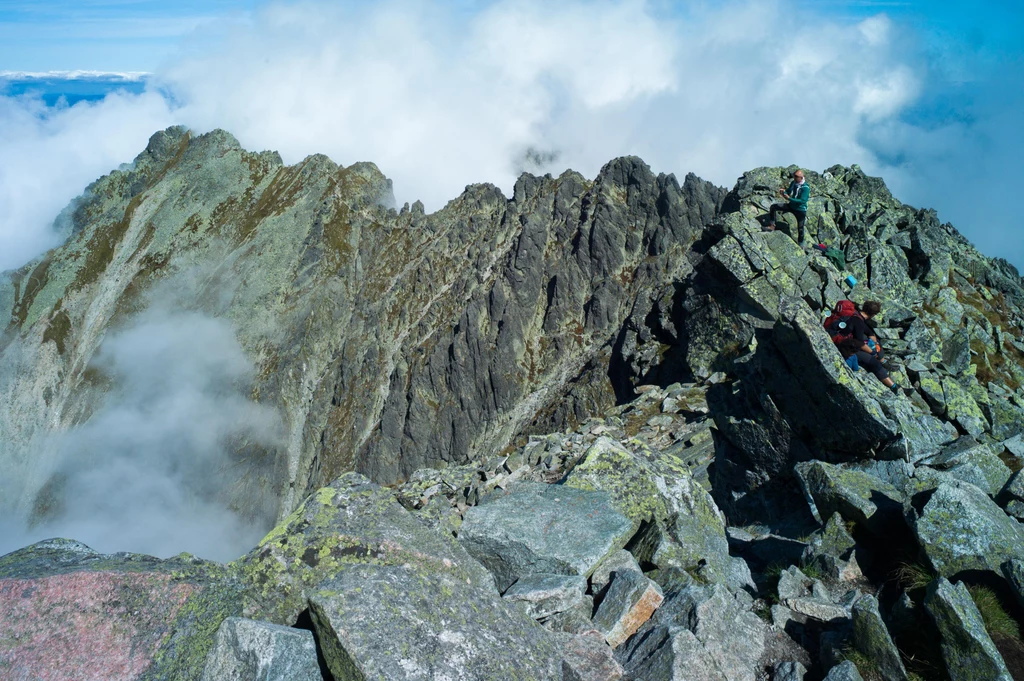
<point>245,650</point>
<point>962,408</point>
<point>830,550</point>
<point>960,529</point>
<point>352,522</point>
<point>119,617</point>
<point>844,671</point>
<point>844,412</point>
<point>871,637</point>
<point>854,494</point>
<point>390,598</point>
<point>618,562</point>
<point>543,595</point>
<point>931,389</point>
<point>387,622</point>
<point>700,632</point>
<point>686,529</point>
<point>630,601</point>
<point>537,528</point>
<point>587,657</point>
<point>965,454</point>
<point>1007,420</point>
<point>967,648</point>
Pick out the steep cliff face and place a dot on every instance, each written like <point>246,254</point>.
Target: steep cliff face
<point>387,340</point>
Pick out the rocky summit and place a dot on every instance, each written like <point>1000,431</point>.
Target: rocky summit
<point>592,431</point>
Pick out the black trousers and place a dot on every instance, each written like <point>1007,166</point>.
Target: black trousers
<point>869,362</point>
<point>801,217</point>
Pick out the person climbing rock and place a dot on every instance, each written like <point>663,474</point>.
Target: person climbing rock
<point>852,334</point>
<point>797,196</point>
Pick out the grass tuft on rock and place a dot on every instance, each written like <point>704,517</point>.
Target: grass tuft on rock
<point>998,622</point>
<point>913,576</point>
<point>867,667</point>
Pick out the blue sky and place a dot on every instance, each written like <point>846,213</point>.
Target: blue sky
<point>926,94</point>
<point>137,35</point>
<point>103,35</point>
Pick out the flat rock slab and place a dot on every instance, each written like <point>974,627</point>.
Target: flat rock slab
<point>68,612</point>
<point>962,529</point>
<point>587,657</point>
<point>854,494</point>
<point>538,528</point>
<point>390,598</point>
<point>544,595</point>
<point>968,650</point>
<point>393,623</point>
<point>630,601</point>
<point>245,650</point>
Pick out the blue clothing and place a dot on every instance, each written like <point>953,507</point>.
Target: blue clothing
<point>799,195</point>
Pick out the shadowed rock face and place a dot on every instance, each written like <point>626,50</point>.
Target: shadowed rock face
<point>387,340</point>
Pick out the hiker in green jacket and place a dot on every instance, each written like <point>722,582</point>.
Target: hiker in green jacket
<point>797,194</point>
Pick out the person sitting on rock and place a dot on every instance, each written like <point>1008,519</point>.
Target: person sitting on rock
<point>863,343</point>
<point>797,194</point>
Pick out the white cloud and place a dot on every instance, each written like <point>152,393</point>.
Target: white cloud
<point>103,76</point>
<point>150,470</point>
<point>440,98</point>
<point>47,157</point>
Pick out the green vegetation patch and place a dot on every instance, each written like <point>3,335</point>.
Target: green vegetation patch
<point>913,576</point>
<point>58,330</point>
<point>26,288</point>
<point>998,621</point>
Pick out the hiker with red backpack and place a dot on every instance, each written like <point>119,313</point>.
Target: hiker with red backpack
<point>855,339</point>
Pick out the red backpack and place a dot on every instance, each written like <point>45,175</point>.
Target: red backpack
<point>838,323</point>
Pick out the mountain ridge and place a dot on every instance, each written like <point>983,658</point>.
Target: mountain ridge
<point>256,193</point>
<point>612,436</point>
